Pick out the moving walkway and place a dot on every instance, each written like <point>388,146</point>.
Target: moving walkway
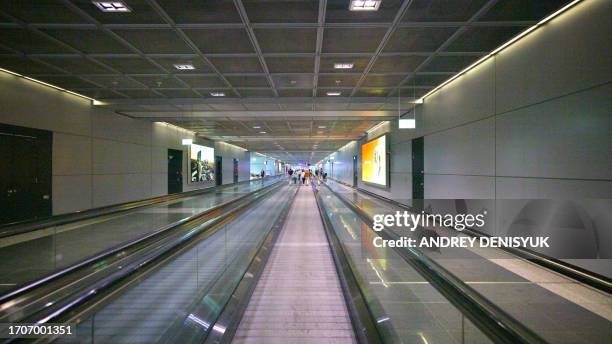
<point>31,250</point>
<point>294,264</point>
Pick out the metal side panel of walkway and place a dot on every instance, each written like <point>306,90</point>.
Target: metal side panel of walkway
<point>298,298</point>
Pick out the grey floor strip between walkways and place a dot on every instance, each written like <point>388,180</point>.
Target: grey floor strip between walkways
<point>298,298</point>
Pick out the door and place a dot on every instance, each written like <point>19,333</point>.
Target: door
<point>235,170</point>
<point>418,171</point>
<point>25,177</point>
<point>218,170</point>
<point>175,171</point>
<point>355,172</point>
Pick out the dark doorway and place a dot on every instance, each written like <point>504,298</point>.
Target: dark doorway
<point>175,171</point>
<point>355,172</point>
<point>235,170</point>
<point>418,169</point>
<point>218,170</point>
<point>25,176</point>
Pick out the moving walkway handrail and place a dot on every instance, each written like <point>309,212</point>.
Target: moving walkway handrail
<point>488,317</point>
<point>361,315</point>
<point>96,296</point>
<point>22,227</point>
<point>593,279</point>
<point>28,295</point>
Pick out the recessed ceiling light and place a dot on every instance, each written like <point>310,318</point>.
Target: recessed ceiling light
<point>334,93</point>
<point>343,65</point>
<point>112,6</point>
<point>217,94</point>
<point>367,5</point>
<point>262,132</point>
<point>256,127</point>
<point>185,66</point>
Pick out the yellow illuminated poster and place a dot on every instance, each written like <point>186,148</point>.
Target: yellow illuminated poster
<point>374,161</point>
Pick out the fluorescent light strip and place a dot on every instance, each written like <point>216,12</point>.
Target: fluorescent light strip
<point>343,65</point>
<point>46,84</point>
<point>499,49</point>
<point>184,66</point>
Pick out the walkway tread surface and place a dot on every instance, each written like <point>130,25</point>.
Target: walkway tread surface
<point>298,298</point>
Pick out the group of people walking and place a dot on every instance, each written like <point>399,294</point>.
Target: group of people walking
<point>305,176</point>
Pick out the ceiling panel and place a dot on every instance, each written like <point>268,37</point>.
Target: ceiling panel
<point>352,40</point>
<point>40,11</point>
<point>237,64</point>
<point>248,81</point>
<point>218,11</point>
<point>131,65</point>
<point>382,80</point>
<point>140,93</point>
<point>25,66</point>
<point>90,41</point>
<point>372,92</point>
<point>286,40</point>
<point>255,93</point>
<point>30,43</point>
<point>159,41</point>
<point>418,39</point>
<point>442,10</point>
<point>338,80</point>
<point>283,11</point>
<point>483,38</point>
<point>163,81</point>
<point>397,64</point>
<point>220,41</point>
<point>293,80</point>
<point>179,93</point>
<point>115,81</point>
<point>290,64</point>
<point>202,81</point>
<point>77,65</point>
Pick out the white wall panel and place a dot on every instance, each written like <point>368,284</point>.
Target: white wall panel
<point>567,137</point>
<point>571,52</point>
<point>43,107</point>
<point>112,157</point>
<point>470,97</point>
<point>538,188</point>
<point>468,149</point>
<point>459,186</point>
<point>71,193</point>
<point>71,154</point>
<point>119,188</point>
<point>116,127</point>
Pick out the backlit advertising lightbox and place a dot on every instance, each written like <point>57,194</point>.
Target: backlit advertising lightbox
<point>201,163</point>
<point>374,162</point>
